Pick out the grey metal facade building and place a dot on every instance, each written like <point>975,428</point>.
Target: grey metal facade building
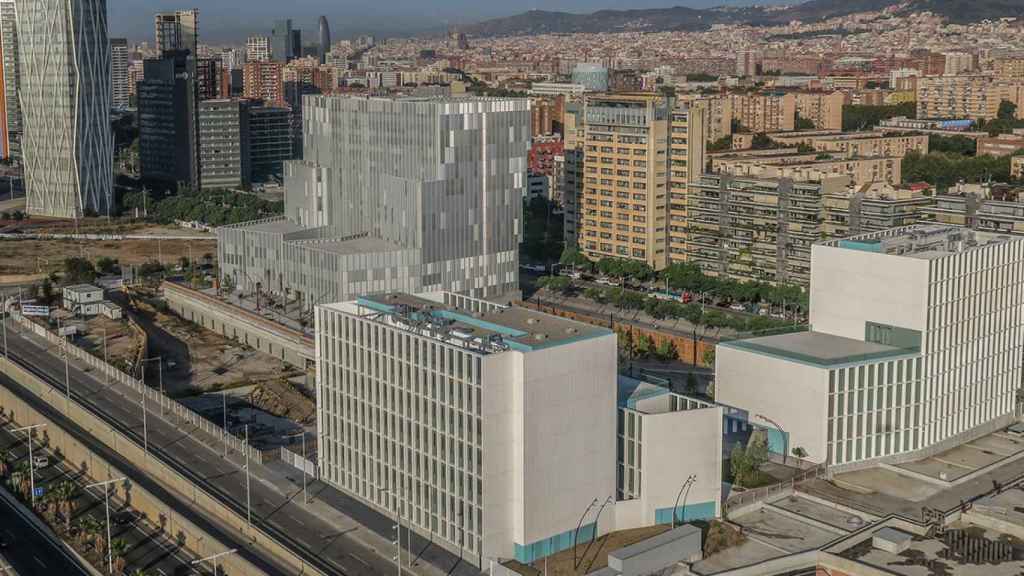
<point>167,140</point>
<point>281,41</point>
<point>394,194</point>
<point>224,143</point>
<point>65,98</point>
<point>121,95</point>
<point>270,140</point>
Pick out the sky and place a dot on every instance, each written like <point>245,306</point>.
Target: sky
<point>234,20</point>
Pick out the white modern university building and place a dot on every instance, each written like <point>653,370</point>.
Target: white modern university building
<point>916,345</point>
<point>393,194</point>
<point>65,99</point>
<point>500,432</point>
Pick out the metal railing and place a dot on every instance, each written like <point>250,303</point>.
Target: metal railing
<point>168,406</point>
<point>754,495</point>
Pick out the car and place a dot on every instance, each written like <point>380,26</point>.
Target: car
<point>606,282</point>
<point>40,461</point>
<point>127,518</point>
<point>738,307</point>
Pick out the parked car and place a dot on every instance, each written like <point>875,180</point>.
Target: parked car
<point>606,282</point>
<point>40,461</point>
<point>737,306</point>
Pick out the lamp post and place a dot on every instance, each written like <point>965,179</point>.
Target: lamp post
<point>106,360</point>
<point>160,375</point>
<point>305,493</point>
<point>397,527</point>
<point>785,438</point>
<point>248,493</point>
<point>213,560</point>
<point>575,534</point>
<point>686,486</point>
<point>31,463</point>
<point>106,501</point>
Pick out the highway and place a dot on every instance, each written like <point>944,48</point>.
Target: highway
<point>28,551</point>
<point>147,548</point>
<point>330,547</point>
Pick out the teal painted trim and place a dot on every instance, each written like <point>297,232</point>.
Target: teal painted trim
<point>554,544</point>
<point>688,513</point>
<point>862,245</point>
<point>841,362</point>
<point>385,308</point>
<point>518,346</point>
<point>466,319</point>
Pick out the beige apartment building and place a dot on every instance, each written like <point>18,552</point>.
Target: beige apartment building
<point>686,164</point>
<point>789,163</point>
<point>975,96</point>
<point>823,108</point>
<point>856,144</point>
<point>718,112</point>
<point>571,177</point>
<point>1010,69</point>
<point>1001,145</point>
<point>764,112</point>
<point>1017,167</point>
<point>624,199</point>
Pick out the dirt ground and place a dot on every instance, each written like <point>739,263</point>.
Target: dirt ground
<point>197,360</point>
<point>594,555</point>
<point>34,257</point>
<point>122,343</point>
<point>281,398</point>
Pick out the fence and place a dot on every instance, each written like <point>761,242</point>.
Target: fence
<point>168,406</point>
<point>748,497</point>
<point>298,462</point>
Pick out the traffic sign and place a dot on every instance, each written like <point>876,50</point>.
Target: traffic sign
<point>28,310</point>
<point>40,491</point>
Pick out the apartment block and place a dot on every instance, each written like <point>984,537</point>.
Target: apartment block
<point>1017,167</point>
<point>825,110</point>
<point>1010,69</point>
<point>224,144</point>
<point>10,108</point>
<point>997,208</point>
<point>718,112</point>
<point>1001,145</point>
<point>976,97</point>
<point>264,81</point>
<point>257,49</point>
<point>570,180</point>
<point>792,164</point>
<point>624,198</point>
<point>764,112</point>
<point>915,348</point>
<point>857,144</point>
<point>757,228</point>
<point>686,163</point>
<point>872,208</point>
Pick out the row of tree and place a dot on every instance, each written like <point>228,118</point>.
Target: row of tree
<point>213,207</point>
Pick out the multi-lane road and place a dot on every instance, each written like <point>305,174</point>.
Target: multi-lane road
<point>334,547</point>
<point>28,550</point>
<point>147,548</point>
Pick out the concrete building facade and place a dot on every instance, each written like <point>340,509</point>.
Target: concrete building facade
<point>624,197</point>
<point>916,345</point>
<point>224,144</point>
<point>10,108</point>
<point>65,97</point>
<point>423,194</point>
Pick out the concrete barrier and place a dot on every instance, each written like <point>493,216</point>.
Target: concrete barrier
<point>95,466</point>
<point>48,533</point>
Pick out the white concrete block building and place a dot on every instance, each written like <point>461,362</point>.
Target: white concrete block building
<point>491,429</point>
<point>916,343</point>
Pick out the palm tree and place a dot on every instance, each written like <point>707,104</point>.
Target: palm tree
<point>64,494</point>
<point>119,548</point>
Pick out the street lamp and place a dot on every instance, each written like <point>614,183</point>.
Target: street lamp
<point>213,559</point>
<point>106,362</point>
<point>160,371</point>
<point>248,493</point>
<point>785,438</point>
<point>305,493</point>
<point>397,527</point>
<point>31,463</point>
<point>106,501</point>
<point>686,486</point>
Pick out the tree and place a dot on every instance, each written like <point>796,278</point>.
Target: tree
<point>691,383</point>
<point>571,256</point>
<point>119,548</point>
<point>666,350</point>
<point>709,357</point>
<point>863,117</point>
<point>799,452</point>
<point>46,292</point>
<point>721,145</point>
<point>78,270</point>
<point>644,346</point>
<point>1007,111</point>
<point>762,141</point>
<point>801,123</point>
<point>106,265</point>
<point>746,462</point>
<point>555,283</point>
<point>959,145</point>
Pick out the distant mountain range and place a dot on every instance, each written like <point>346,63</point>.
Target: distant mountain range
<point>681,18</point>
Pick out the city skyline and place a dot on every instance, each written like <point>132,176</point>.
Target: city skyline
<point>221,22</point>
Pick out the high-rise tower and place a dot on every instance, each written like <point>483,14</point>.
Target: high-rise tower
<point>325,39</point>
<point>65,96</point>
<point>10,112</point>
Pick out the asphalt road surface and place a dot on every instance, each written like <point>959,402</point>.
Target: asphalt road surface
<point>147,548</point>
<point>28,551</point>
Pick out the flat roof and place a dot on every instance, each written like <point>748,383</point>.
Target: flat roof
<point>923,241</point>
<point>519,328</point>
<point>644,546</point>
<point>819,349</point>
<point>80,288</point>
<point>278,226</point>
<point>354,246</point>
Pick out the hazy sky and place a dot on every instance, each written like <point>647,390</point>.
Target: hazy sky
<point>233,20</point>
